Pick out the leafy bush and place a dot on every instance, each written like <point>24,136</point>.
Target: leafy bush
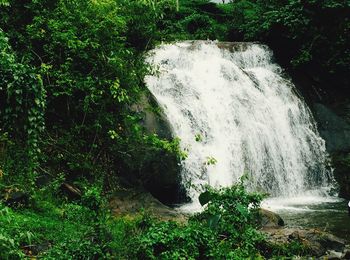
<point>23,101</point>
<point>226,228</point>
<point>80,71</point>
<point>169,240</point>
<point>196,20</point>
<point>69,232</point>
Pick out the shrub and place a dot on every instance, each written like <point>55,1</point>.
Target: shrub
<point>226,228</point>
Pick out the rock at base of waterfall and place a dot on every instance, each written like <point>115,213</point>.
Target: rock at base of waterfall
<point>333,128</point>
<point>341,162</point>
<point>160,172</point>
<point>131,201</point>
<point>318,243</point>
<point>270,219</point>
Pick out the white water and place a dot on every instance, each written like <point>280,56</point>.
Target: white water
<point>247,116</point>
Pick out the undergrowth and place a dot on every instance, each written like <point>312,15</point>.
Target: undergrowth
<point>51,228</point>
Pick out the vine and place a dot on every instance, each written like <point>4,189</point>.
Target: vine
<point>24,99</point>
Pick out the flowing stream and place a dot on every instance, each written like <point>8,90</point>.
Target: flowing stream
<point>237,114</point>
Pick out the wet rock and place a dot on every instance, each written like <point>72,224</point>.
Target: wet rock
<point>152,116</point>
<point>333,128</point>
<point>341,162</point>
<point>317,242</point>
<point>346,254</point>
<point>131,201</point>
<point>294,236</point>
<point>15,198</point>
<point>32,251</point>
<point>332,242</point>
<point>270,219</point>
<point>159,172</point>
<point>333,255</point>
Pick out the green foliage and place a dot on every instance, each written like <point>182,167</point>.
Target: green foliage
<point>9,245</point>
<point>85,229</point>
<point>232,213</point>
<point>169,240</point>
<point>23,101</point>
<point>198,138</point>
<point>315,33</point>
<point>210,161</point>
<point>172,147</point>
<point>288,250</point>
<point>93,199</point>
<point>55,230</point>
<point>225,229</point>
<point>196,20</point>
<point>4,3</point>
<point>80,70</point>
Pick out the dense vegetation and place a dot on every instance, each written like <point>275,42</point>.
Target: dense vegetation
<point>226,229</point>
<point>70,72</point>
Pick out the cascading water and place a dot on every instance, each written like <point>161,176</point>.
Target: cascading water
<point>236,114</point>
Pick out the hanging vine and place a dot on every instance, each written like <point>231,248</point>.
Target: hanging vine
<point>24,99</point>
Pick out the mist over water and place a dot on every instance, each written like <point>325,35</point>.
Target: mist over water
<point>236,113</point>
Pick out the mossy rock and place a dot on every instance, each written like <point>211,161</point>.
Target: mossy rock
<point>159,171</point>
<point>270,219</point>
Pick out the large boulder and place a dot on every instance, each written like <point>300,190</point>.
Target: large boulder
<point>159,171</point>
<point>130,201</point>
<point>335,130</point>
<point>270,219</point>
<point>341,162</point>
<point>152,116</point>
<point>318,243</point>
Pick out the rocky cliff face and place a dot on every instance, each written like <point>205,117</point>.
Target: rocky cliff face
<point>335,129</point>
<point>160,172</point>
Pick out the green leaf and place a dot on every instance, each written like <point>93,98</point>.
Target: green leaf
<point>4,3</point>
<point>213,221</point>
<point>205,197</point>
<point>242,209</point>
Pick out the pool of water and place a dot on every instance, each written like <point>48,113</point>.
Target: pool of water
<point>330,214</point>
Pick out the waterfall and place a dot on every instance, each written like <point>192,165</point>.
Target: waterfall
<point>236,113</point>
